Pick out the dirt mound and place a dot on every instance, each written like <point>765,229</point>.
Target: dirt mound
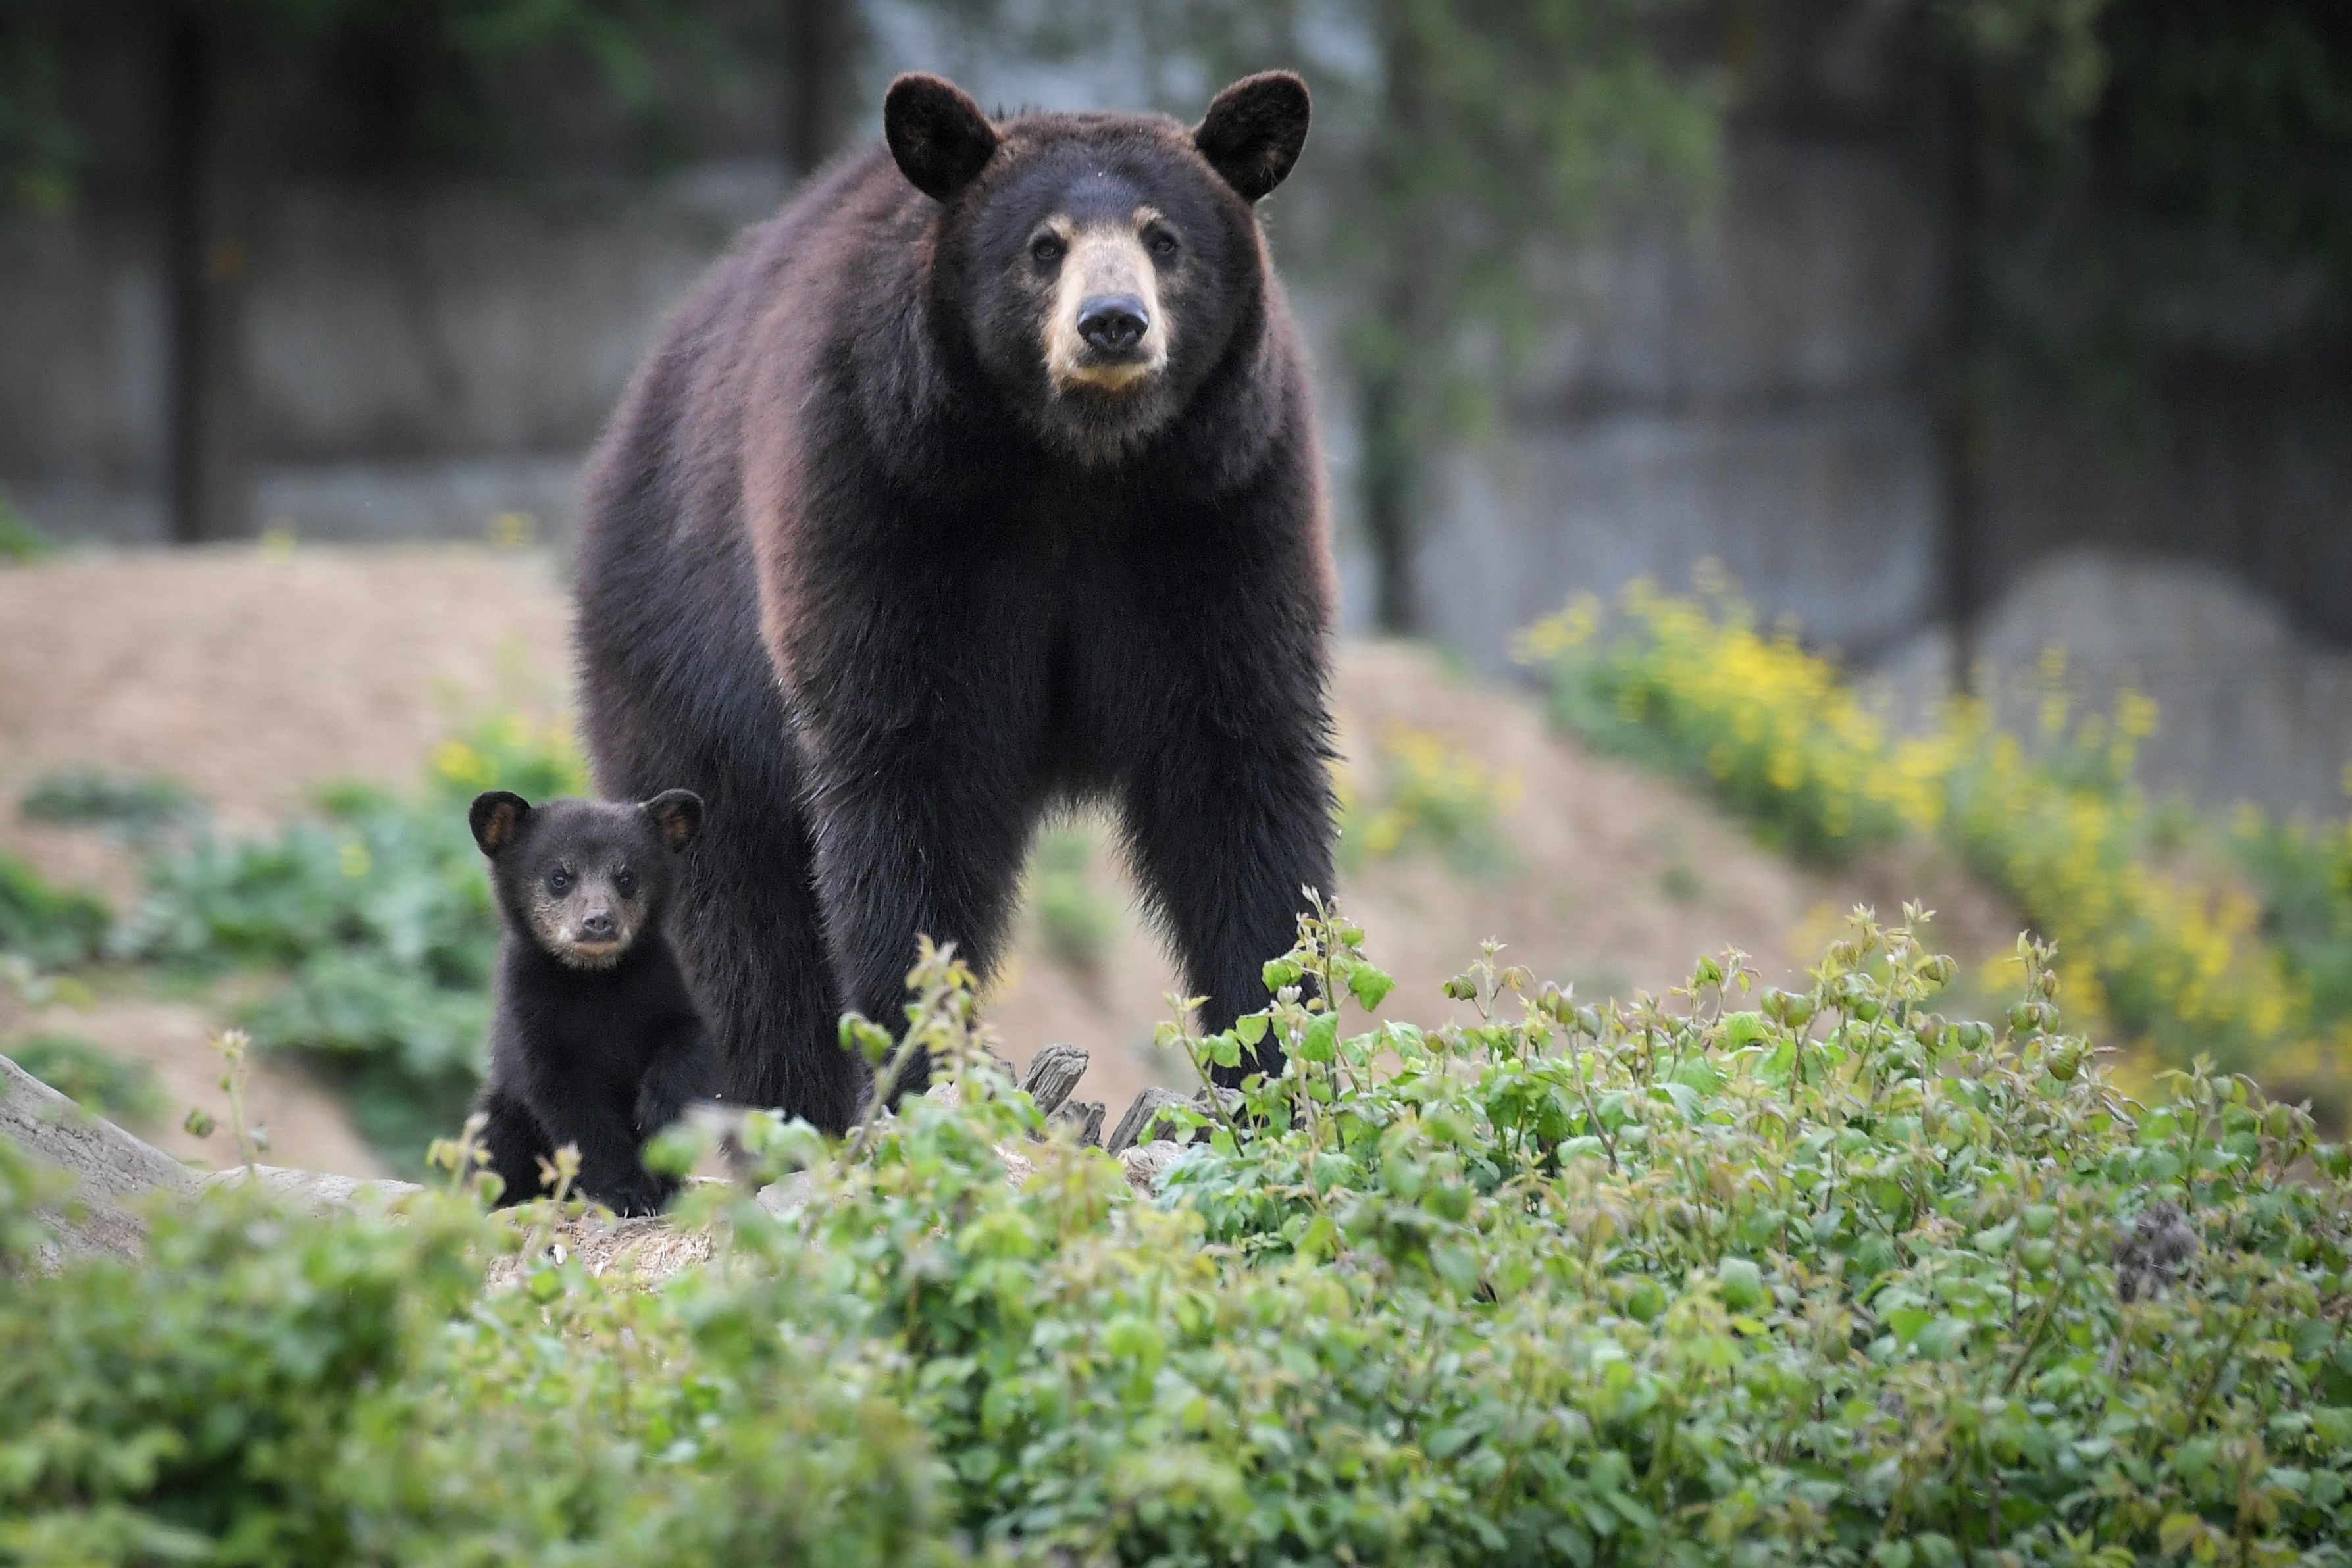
<point>253,679</point>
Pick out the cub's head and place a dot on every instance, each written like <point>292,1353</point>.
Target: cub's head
<point>1100,265</point>
<point>584,879</point>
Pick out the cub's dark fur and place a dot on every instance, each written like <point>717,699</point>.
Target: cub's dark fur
<point>983,477</point>
<point>595,1041</point>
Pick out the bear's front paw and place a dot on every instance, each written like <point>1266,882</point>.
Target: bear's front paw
<point>630,1199</point>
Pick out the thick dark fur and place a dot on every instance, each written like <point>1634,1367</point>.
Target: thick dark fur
<point>850,572</point>
<point>601,1053</point>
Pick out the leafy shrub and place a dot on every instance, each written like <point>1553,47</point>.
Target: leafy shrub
<point>1694,687</point>
<point>380,916</point>
<point>140,807</point>
<point>1076,919</point>
<point>1814,1277</point>
<point>20,542</point>
<point>2173,960</point>
<point>89,1075</point>
<point>1433,797</point>
<point>49,927</point>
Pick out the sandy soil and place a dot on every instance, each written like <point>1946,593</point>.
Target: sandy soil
<point>254,679</point>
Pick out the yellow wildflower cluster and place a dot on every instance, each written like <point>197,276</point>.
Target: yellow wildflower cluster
<point>1770,727</point>
<point>537,759</point>
<point>2170,960</point>
<point>1435,794</point>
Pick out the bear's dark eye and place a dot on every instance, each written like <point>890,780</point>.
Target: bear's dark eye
<point>559,880</point>
<point>1160,243</point>
<point>625,883</point>
<point>1046,249</point>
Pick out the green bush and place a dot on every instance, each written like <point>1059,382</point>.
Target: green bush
<point>1077,921</point>
<point>88,1076</point>
<point>141,808</point>
<point>1757,1277</point>
<point>49,926</point>
<point>20,543</point>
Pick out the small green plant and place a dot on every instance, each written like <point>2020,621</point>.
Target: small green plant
<point>139,808</point>
<point>89,1075</point>
<point>49,927</point>
<point>20,543</point>
<point>1076,919</point>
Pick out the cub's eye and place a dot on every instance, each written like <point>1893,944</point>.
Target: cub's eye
<point>1047,249</point>
<point>625,883</point>
<point>1160,243</point>
<point>559,880</point>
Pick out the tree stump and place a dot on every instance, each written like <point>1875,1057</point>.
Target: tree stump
<point>1082,1117</point>
<point>1053,1073</point>
<point>1140,1125</point>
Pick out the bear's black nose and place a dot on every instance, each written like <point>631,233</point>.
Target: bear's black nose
<point>1114,323</point>
<point>597,925</point>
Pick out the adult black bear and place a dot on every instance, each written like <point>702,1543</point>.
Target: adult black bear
<point>982,477</point>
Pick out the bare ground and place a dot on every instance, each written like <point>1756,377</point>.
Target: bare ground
<point>254,679</point>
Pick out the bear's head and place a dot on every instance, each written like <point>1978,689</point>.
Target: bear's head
<point>1100,266</point>
<point>584,879</point>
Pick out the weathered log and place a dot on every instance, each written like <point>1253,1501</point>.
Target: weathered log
<point>318,1191</point>
<point>1053,1072</point>
<point>108,1167</point>
<point>1146,1164</point>
<point>1141,1123</point>
<point>1082,1118</point>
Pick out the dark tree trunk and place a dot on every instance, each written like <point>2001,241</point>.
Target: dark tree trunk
<point>1966,366</point>
<point>821,42</point>
<point>1392,433</point>
<point>208,253</point>
<point>1389,480</point>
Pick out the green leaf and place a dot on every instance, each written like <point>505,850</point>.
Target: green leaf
<point>1369,986</point>
<point>1742,1283</point>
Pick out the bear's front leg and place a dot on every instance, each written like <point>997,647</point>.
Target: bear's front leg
<point>1228,832</point>
<point>596,1117</point>
<point>916,835</point>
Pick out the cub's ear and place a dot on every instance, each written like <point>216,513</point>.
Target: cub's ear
<point>1254,131</point>
<point>937,133</point>
<point>678,813</point>
<point>497,817</point>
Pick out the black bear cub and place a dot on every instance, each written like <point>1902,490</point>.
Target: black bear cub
<point>595,1041</point>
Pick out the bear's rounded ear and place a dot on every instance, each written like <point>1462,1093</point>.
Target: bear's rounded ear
<point>1253,132</point>
<point>677,814</point>
<point>937,133</point>
<point>497,817</point>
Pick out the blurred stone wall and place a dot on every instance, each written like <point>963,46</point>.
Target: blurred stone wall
<point>421,361</point>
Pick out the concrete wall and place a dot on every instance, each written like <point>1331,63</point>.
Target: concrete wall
<point>1752,398</point>
<point>420,362</point>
